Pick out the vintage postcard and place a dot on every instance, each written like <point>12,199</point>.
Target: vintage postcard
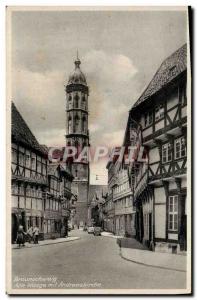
<point>98,150</point>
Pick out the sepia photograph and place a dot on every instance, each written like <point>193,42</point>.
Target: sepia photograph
<point>98,164</point>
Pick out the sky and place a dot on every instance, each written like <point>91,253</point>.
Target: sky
<point>120,51</point>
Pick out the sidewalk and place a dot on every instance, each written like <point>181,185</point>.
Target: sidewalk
<point>47,242</point>
<point>111,235</point>
<point>137,253</point>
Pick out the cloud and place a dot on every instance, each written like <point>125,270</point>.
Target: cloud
<point>40,97</point>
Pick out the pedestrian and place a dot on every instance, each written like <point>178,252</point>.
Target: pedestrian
<point>20,239</point>
<point>30,234</point>
<point>36,234</point>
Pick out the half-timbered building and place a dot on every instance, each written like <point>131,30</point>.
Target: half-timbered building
<point>57,201</point>
<point>160,184</point>
<point>29,176</point>
<point>41,191</point>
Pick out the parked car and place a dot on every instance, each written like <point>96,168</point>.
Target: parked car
<point>90,229</point>
<point>97,231</point>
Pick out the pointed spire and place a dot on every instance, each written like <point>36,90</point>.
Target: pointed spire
<point>77,61</point>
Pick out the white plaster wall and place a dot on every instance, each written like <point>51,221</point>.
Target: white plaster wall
<point>184,111</point>
<point>184,182</point>
<point>172,185</point>
<point>172,100</point>
<point>160,196</point>
<point>159,125</point>
<point>154,168</point>
<point>172,113</point>
<point>173,236</point>
<point>160,221</point>
<point>14,201</point>
<point>154,155</point>
<point>147,131</point>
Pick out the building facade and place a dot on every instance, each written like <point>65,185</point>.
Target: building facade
<point>77,93</point>
<point>29,177</point>
<point>123,204</point>
<point>96,200</point>
<point>41,192</point>
<point>160,181</point>
<point>57,201</point>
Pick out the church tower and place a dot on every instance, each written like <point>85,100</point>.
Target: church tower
<point>78,136</point>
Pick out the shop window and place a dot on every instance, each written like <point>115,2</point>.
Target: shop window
<point>166,153</point>
<point>180,148</point>
<point>173,213</point>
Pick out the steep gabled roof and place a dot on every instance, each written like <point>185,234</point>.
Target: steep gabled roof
<point>21,132</point>
<point>173,66</point>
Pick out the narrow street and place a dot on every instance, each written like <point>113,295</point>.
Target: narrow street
<point>90,260</point>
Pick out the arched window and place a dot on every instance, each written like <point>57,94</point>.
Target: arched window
<point>76,123</point>
<point>76,101</point>
<point>83,124</point>
<point>69,124</point>
<point>84,102</point>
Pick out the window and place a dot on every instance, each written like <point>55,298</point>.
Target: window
<point>173,213</point>
<point>159,112</point>
<point>84,102</point>
<point>39,204</point>
<point>33,161</point>
<point>27,160</point>
<point>180,148</point>
<point>166,153</point>
<point>21,159</point>
<point>148,118</point>
<point>14,156</point>
<point>183,94</point>
<point>69,102</point>
<point>69,125</point>
<point>14,189</point>
<point>47,204</point>
<point>39,166</point>
<point>76,101</point>
<point>76,123</point>
<point>83,124</point>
